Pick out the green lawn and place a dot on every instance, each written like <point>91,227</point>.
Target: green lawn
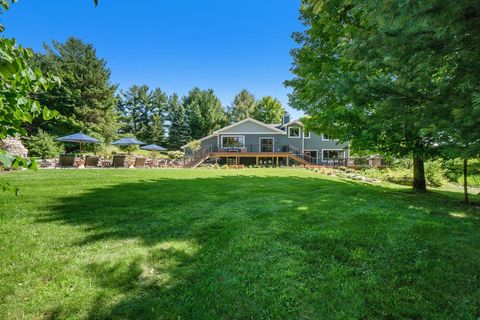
<point>247,244</point>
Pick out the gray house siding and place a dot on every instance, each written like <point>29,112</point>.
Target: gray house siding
<point>253,132</point>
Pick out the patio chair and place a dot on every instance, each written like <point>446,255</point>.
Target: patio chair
<point>66,161</point>
<point>154,163</point>
<point>119,161</point>
<point>140,163</point>
<point>91,162</point>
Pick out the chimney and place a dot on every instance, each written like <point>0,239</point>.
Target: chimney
<point>285,119</point>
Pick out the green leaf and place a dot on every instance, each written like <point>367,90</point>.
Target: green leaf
<point>6,159</point>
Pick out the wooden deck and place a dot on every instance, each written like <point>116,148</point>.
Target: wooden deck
<point>250,154</point>
<point>275,156</point>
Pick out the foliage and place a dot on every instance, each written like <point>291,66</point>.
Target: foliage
<point>453,169</point>
<point>175,155</point>
<point>243,106</point>
<point>385,75</point>
<point>194,145</point>
<point>143,113</point>
<point>179,132</point>
<point>269,110</point>
<point>389,253</point>
<point>43,145</point>
<point>86,100</point>
<point>19,82</point>
<point>205,112</point>
<point>402,175</point>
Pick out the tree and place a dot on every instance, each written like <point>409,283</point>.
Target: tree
<point>86,100</point>
<point>243,106</point>
<point>372,73</point>
<point>205,112</point>
<point>19,83</point>
<point>268,110</point>
<point>143,113</point>
<point>179,132</point>
<point>44,145</point>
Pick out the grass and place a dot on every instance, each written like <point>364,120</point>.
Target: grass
<point>247,244</point>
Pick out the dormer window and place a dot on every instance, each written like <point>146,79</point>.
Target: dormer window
<point>294,132</point>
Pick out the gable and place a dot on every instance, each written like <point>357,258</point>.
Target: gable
<point>250,126</point>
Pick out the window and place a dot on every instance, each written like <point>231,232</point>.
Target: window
<point>333,154</point>
<point>306,134</point>
<point>233,141</point>
<point>294,132</point>
<point>326,137</point>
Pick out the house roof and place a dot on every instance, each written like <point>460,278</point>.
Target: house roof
<point>273,127</point>
<point>250,120</point>
<point>293,122</point>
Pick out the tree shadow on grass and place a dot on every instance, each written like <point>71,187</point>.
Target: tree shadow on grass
<point>277,247</point>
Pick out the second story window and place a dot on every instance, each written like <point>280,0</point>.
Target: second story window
<point>306,134</point>
<point>326,137</point>
<point>294,132</point>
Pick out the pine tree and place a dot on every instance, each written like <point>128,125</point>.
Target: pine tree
<point>205,112</point>
<point>86,98</point>
<point>179,132</point>
<point>143,113</point>
<point>243,106</point>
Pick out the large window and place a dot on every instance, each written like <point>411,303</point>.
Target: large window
<point>294,132</point>
<point>233,141</point>
<point>333,154</point>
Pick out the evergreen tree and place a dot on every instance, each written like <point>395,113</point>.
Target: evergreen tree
<point>179,132</point>
<point>205,112</point>
<point>268,110</point>
<point>86,98</point>
<point>243,106</point>
<point>143,113</point>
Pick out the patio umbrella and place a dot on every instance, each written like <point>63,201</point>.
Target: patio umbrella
<point>78,138</point>
<point>153,147</point>
<point>127,142</point>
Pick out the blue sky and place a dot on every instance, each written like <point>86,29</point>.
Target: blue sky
<point>175,45</point>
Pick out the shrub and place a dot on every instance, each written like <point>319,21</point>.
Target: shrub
<point>453,170</point>
<point>129,149</point>
<point>175,155</point>
<point>435,174</point>
<point>44,146</point>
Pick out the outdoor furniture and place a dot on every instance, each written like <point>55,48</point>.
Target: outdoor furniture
<point>119,161</point>
<point>140,163</point>
<point>66,160</point>
<point>91,162</point>
<point>105,163</point>
<point>78,138</point>
<point>153,163</point>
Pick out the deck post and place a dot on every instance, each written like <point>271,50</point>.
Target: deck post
<point>256,162</point>
<point>288,161</point>
<point>277,161</point>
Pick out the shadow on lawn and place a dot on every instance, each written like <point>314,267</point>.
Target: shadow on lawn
<point>277,247</point>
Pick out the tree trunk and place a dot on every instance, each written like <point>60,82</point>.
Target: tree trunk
<point>465,180</point>
<point>419,182</point>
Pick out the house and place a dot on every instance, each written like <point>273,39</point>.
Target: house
<point>251,142</point>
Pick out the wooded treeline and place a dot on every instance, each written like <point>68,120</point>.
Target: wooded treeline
<point>88,101</point>
<point>397,77</point>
